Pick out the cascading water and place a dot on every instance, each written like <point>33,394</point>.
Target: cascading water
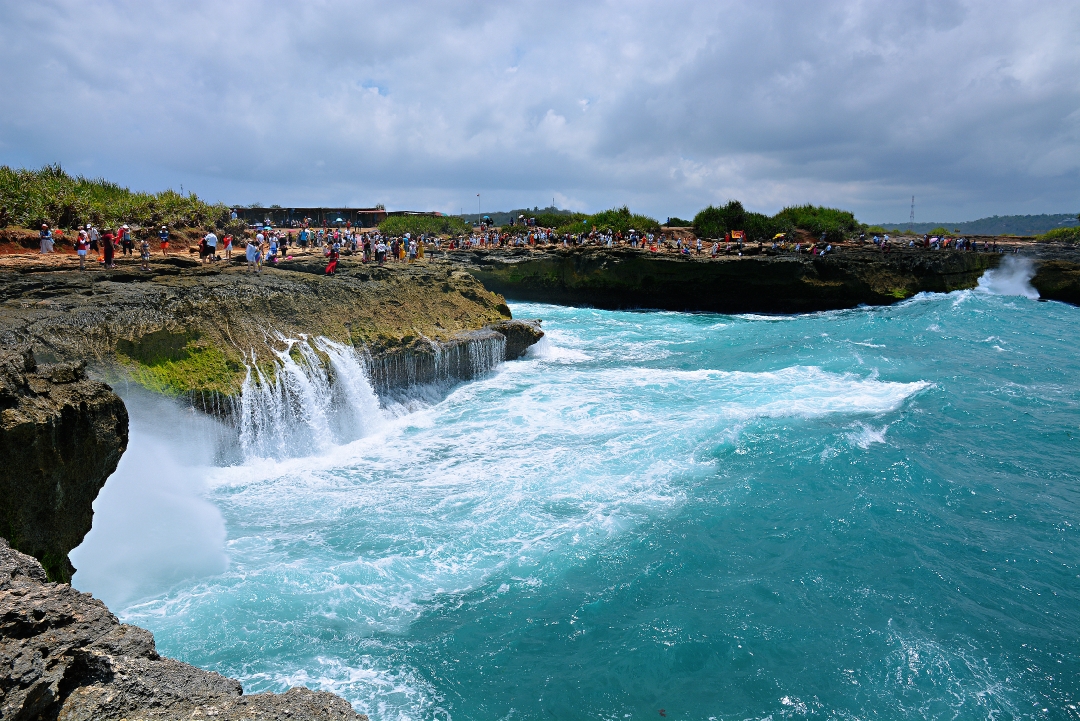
<point>304,404</point>
<point>319,393</point>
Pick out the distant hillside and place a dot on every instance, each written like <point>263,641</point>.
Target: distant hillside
<point>999,224</point>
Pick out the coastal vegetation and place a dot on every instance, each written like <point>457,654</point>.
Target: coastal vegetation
<point>714,222</point>
<point>1062,235</point>
<point>429,224</point>
<point>51,195</point>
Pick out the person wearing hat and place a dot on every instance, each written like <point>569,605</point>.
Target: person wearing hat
<point>94,236</point>
<point>46,239</point>
<point>163,234</point>
<point>126,243</point>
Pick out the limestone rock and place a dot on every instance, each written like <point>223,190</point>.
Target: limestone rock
<point>61,436</point>
<point>63,655</point>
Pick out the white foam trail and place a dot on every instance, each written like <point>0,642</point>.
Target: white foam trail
<point>1012,277</point>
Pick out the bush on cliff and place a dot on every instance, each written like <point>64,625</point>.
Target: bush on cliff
<point>50,195</point>
<point>714,222</point>
<point>564,222</point>
<point>835,224</point>
<point>416,224</point>
<point>1061,235</point>
<point>616,220</point>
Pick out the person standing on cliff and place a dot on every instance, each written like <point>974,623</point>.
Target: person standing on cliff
<point>144,253</point>
<point>250,253</point>
<point>109,249</point>
<point>163,236</point>
<point>211,246</point>
<point>82,243</point>
<point>127,243</point>
<point>46,239</point>
<point>94,236</point>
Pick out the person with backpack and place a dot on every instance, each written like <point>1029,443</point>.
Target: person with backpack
<point>127,243</point>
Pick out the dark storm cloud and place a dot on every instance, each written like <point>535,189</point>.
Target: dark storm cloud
<point>973,107</point>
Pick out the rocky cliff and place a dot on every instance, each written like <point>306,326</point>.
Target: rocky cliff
<point>187,329</point>
<point>628,278</point>
<point>1057,272</point>
<point>64,656</point>
<point>61,436</point>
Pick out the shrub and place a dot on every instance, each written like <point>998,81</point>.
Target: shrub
<point>835,224</point>
<point>678,223</point>
<point>49,195</point>
<point>417,224</point>
<point>1062,235</point>
<point>621,220</point>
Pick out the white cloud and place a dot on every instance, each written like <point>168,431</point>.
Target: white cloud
<point>971,106</point>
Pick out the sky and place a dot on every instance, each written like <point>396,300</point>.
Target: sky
<point>972,107</point>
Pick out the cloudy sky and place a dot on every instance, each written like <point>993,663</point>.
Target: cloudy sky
<point>973,107</point>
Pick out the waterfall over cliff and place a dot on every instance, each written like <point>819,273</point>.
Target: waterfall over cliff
<point>317,393</point>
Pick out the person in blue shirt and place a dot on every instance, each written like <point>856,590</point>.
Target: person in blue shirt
<point>163,234</point>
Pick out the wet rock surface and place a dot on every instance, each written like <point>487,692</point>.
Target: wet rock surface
<point>1057,272</point>
<point>63,655</point>
<point>61,436</point>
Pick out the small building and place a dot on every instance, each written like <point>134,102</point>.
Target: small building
<point>293,217</point>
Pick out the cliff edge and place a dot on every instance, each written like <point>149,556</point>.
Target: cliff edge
<point>61,436</point>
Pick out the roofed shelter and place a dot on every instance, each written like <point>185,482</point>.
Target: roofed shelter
<point>358,217</point>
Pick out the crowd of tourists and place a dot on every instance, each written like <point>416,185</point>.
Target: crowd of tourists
<point>268,246</point>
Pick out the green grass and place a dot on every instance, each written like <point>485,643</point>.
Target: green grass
<point>1062,235</point>
<point>417,224</point>
<point>29,198</point>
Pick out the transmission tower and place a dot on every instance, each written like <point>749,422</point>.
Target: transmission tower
<point>911,218</point>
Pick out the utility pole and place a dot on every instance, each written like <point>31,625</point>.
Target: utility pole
<point>911,219</point>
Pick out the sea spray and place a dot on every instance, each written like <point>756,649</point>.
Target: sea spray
<point>1012,277</point>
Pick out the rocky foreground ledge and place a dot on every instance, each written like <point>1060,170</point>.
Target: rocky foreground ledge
<point>64,656</point>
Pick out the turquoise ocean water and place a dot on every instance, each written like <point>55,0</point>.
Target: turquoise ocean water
<point>864,514</point>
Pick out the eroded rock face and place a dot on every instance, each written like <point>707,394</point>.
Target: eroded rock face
<point>63,655</point>
<point>758,283</point>
<point>61,436</point>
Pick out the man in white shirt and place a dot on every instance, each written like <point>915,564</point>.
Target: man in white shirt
<point>211,246</point>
